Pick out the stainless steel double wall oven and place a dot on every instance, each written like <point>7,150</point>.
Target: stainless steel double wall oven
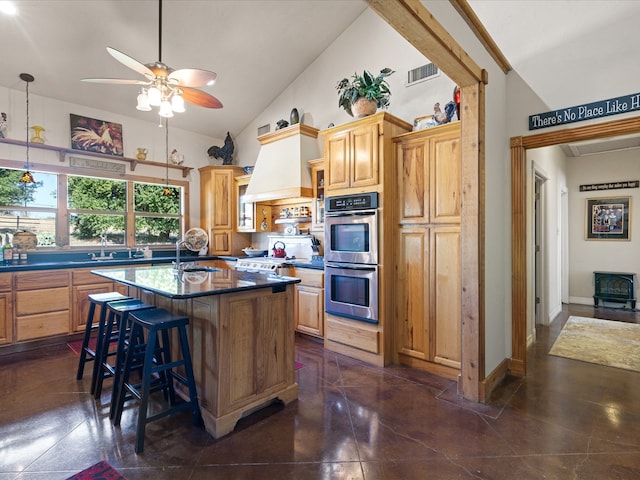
<point>351,256</point>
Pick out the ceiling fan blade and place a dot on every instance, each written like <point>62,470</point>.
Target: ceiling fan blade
<point>132,63</point>
<point>193,77</point>
<point>115,81</point>
<point>198,97</point>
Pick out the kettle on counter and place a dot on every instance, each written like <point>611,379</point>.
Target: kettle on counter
<point>279,252</point>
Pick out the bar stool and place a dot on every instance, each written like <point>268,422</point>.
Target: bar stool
<point>116,322</point>
<point>158,368</point>
<point>87,354</point>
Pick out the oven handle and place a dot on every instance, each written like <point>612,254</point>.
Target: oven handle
<point>359,213</point>
<point>351,266</point>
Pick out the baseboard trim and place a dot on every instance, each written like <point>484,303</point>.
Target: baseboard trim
<point>492,380</point>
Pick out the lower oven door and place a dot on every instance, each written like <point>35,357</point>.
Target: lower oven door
<point>351,290</point>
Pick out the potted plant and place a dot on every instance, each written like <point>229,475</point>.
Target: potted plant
<point>364,91</point>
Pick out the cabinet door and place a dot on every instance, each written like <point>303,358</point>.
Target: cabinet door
<point>81,303</point>
<point>445,185</point>
<point>337,158</point>
<point>412,312</point>
<point>446,296</point>
<point>412,174</point>
<point>222,192</point>
<point>6,318</point>
<point>364,156</point>
<point>309,306</point>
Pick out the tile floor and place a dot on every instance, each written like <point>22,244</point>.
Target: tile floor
<point>565,420</point>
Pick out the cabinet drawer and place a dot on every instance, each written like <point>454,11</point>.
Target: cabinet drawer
<point>43,325</point>
<point>42,279</point>
<point>5,282</point>
<point>43,301</point>
<point>354,334</point>
<point>85,277</point>
<point>309,277</point>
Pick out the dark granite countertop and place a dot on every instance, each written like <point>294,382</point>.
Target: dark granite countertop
<point>164,280</point>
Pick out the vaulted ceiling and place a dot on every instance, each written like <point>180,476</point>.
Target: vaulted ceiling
<point>569,52</point>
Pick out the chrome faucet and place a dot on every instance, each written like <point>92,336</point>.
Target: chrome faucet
<point>177,265</point>
<point>103,244</point>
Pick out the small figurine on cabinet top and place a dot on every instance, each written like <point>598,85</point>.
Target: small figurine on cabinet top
<point>224,153</point>
<point>281,124</point>
<point>176,158</point>
<point>3,125</point>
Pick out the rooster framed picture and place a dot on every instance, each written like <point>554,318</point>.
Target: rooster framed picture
<point>608,218</point>
<point>99,136</point>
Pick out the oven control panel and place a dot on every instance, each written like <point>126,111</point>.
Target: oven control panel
<point>361,201</point>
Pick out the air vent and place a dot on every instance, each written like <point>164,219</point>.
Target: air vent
<point>420,74</point>
<point>264,129</point>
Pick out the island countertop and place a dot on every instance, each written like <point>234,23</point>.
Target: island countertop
<point>165,281</point>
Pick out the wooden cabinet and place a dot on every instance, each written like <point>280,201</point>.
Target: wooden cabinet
<point>218,209</point>
<point>359,158</point>
<point>42,304</point>
<point>352,157</point>
<point>428,288</point>
<point>317,182</point>
<point>250,216</point>
<point>309,301</point>
<point>6,309</point>
<point>85,283</point>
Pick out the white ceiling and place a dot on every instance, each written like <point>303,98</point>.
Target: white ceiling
<point>569,52</point>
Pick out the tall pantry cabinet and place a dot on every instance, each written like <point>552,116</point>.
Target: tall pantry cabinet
<point>218,209</point>
<point>428,310</point>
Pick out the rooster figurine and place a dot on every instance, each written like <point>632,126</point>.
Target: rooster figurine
<point>225,153</point>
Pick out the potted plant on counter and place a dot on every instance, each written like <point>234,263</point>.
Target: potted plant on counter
<point>364,94</point>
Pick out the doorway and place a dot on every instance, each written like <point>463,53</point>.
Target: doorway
<point>521,306</point>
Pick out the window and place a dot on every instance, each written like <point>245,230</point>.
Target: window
<point>92,208</point>
<point>30,207</point>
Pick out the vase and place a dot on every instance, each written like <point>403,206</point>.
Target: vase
<point>294,117</point>
<point>37,130</point>
<point>363,107</point>
<point>141,154</point>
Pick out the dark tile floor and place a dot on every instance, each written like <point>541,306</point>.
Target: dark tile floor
<point>565,420</point>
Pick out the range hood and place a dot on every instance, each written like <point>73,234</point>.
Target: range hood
<point>281,169</point>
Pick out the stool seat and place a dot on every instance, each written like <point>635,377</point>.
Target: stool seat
<point>88,354</point>
<point>150,344</point>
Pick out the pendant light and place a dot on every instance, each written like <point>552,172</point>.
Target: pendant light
<point>27,177</point>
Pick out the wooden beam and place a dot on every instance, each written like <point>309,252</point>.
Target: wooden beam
<point>472,243</point>
<point>414,22</point>
<point>474,23</point>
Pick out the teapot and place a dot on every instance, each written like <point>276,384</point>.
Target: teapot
<point>141,154</point>
<point>279,252</point>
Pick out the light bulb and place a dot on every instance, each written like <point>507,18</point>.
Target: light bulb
<point>165,109</point>
<point>143,102</point>
<point>154,95</point>
<point>177,104</point>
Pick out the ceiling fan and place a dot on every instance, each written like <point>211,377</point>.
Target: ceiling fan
<point>163,86</point>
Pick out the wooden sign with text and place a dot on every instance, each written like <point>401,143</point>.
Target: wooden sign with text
<point>609,186</point>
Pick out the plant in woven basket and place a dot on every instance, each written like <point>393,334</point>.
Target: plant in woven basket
<point>374,89</point>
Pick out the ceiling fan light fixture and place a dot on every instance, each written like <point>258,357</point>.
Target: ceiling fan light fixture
<point>177,103</point>
<point>155,96</point>
<point>143,102</point>
<point>165,109</point>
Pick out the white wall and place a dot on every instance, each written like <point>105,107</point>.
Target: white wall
<point>587,256</point>
<point>368,44</point>
<point>550,163</point>
<point>53,115</point>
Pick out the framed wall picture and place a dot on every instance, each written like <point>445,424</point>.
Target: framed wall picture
<point>608,218</point>
<point>92,135</point>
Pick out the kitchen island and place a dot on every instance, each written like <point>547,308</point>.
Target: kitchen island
<point>241,334</point>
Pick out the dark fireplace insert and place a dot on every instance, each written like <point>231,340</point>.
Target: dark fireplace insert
<point>615,287</point>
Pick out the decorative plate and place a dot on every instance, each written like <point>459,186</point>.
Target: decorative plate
<point>195,239</point>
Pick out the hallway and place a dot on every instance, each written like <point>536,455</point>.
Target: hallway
<point>566,420</point>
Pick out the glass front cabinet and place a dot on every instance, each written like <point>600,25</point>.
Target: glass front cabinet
<point>317,179</point>
<point>251,217</point>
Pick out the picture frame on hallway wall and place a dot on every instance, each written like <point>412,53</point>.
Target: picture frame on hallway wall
<point>608,218</point>
<point>93,135</point>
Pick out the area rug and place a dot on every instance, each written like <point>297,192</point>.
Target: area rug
<point>99,471</point>
<point>605,342</point>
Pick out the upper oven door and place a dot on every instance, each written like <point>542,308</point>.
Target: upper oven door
<point>351,237</point>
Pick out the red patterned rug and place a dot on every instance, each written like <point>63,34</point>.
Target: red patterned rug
<point>99,471</point>
<point>76,345</point>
